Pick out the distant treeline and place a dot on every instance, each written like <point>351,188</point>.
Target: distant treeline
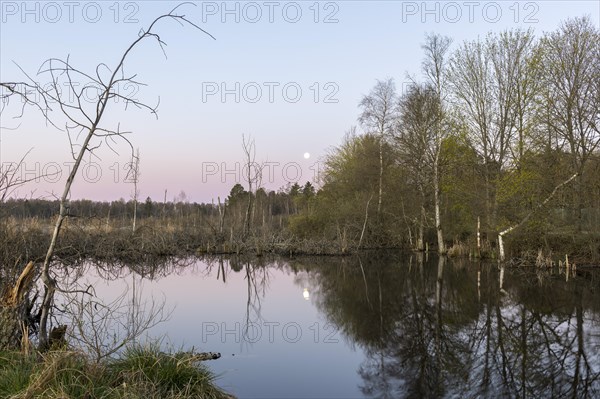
<point>284,202</point>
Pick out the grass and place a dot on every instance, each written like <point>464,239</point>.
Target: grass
<point>141,372</point>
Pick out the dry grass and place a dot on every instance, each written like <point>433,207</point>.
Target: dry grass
<point>143,372</point>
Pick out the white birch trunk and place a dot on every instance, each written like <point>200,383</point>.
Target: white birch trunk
<point>438,217</point>
<point>380,176</point>
<point>478,237</point>
<point>362,233</point>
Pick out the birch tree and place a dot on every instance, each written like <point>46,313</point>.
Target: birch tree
<point>378,116</point>
<point>434,66</point>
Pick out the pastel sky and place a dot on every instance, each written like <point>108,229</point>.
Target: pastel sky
<point>290,74</point>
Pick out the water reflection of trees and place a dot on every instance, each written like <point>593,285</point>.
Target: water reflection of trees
<point>255,270</point>
<point>543,339</point>
<point>257,275</point>
<point>103,323</point>
<point>435,328</point>
<point>429,330</point>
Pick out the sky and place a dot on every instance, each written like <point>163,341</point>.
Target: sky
<point>290,75</point>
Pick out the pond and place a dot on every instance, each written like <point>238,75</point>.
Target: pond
<point>376,325</point>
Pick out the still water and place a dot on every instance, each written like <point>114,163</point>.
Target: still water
<point>374,326</point>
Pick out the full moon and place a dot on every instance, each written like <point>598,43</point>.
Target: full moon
<point>306,155</point>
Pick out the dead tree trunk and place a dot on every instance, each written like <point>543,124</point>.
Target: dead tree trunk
<point>14,312</point>
<point>221,216</point>
<point>135,174</point>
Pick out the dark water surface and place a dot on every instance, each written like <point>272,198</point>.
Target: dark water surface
<point>385,326</point>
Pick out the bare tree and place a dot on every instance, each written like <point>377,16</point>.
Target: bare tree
<point>88,122</point>
<point>570,61</point>
<point>134,177</point>
<point>486,79</point>
<point>221,207</point>
<point>378,117</point>
<point>470,76</point>
<point>253,176</point>
<point>528,83</point>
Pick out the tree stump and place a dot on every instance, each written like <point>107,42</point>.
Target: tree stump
<point>13,311</point>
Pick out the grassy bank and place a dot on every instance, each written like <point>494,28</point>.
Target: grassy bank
<point>141,372</point>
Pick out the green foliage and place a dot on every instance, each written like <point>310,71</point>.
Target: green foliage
<point>461,187</point>
<point>148,207</point>
<point>237,192</point>
<point>518,192</point>
<point>308,190</point>
<point>351,181</point>
<point>15,370</point>
<point>294,190</point>
<point>306,226</point>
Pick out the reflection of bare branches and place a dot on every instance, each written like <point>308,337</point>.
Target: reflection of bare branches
<point>152,269</point>
<point>102,329</point>
<point>253,305</point>
<point>522,351</point>
<point>257,279</point>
